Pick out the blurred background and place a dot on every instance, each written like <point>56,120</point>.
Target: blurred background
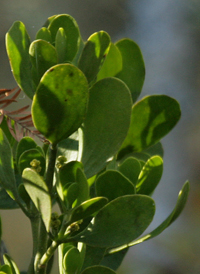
<point>168,33</point>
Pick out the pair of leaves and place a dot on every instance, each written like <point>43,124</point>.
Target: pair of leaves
<point>119,222</point>
<point>182,199</point>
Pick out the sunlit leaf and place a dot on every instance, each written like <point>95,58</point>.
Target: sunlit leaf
<point>60,103</point>
<point>17,45</point>
<point>152,118</point>
<point>38,192</point>
<point>93,54</point>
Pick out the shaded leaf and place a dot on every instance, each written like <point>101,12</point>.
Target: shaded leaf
<point>150,175</point>
<point>72,260</point>
<point>28,156</point>
<point>17,45</point>
<point>88,208</point>
<point>182,199</point>
<point>106,123</point>
<point>44,34</point>
<point>114,260</point>
<point>113,184</point>
<point>98,269</point>
<point>119,222</point>
<point>26,143</point>
<point>43,56</point>
<point>130,168</point>
<point>71,29</point>
<point>83,194</point>
<point>7,175</point>
<point>112,64</point>
<point>38,192</point>
<point>93,256</point>
<point>152,118</point>
<point>67,91</point>
<point>133,69</point>
<point>93,54</point>
<point>61,45</point>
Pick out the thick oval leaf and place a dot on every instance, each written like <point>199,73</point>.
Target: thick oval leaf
<point>72,261</point>
<point>98,269</point>
<point>93,54</point>
<point>28,156</point>
<point>71,30</point>
<point>71,194</point>
<point>93,256</point>
<point>7,175</point>
<point>114,260</point>
<point>61,46</point>
<point>44,34</point>
<point>17,45</point>
<point>83,194</point>
<point>106,124</point>
<point>26,143</point>
<point>43,56</point>
<point>150,175</point>
<point>130,168</point>
<point>5,269</point>
<point>182,199</point>
<point>112,184</point>
<point>119,222</point>
<point>88,208</point>
<point>112,64</point>
<point>152,118</point>
<point>39,194</point>
<point>133,69</point>
<point>60,103</point>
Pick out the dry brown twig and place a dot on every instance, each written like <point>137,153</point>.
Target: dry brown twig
<point>19,121</point>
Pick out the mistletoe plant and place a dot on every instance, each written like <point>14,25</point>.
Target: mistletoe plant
<point>101,159</point>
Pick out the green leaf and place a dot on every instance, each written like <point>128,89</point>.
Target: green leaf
<point>61,46</point>
<point>182,199</point>
<point>28,156</point>
<point>133,69</point>
<point>17,45</point>
<point>114,260</point>
<point>43,56</point>
<point>150,175</point>
<point>69,147</point>
<point>93,54</point>
<point>9,261</point>
<point>71,30</point>
<point>7,175</point>
<point>5,269</point>
<point>72,261</point>
<point>26,143</point>
<point>130,168</point>
<point>5,128</point>
<point>98,269</point>
<point>119,222</point>
<point>66,88</point>
<point>44,34</point>
<point>6,202</point>
<point>38,192</point>
<point>70,194</point>
<point>112,64</point>
<point>152,118</point>
<point>88,208</point>
<point>83,194</point>
<point>93,256</point>
<point>112,184</point>
<point>67,175</point>
<point>106,123</point>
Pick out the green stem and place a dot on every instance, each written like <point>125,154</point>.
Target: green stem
<point>42,243</point>
<point>46,257</point>
<point>35,227</point>
<point>51,166</point>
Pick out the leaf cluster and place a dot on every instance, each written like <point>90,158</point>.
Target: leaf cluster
<point>103,159</point>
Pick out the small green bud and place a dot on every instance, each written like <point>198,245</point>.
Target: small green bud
<point>35,164</point>
<point>61,160</point>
